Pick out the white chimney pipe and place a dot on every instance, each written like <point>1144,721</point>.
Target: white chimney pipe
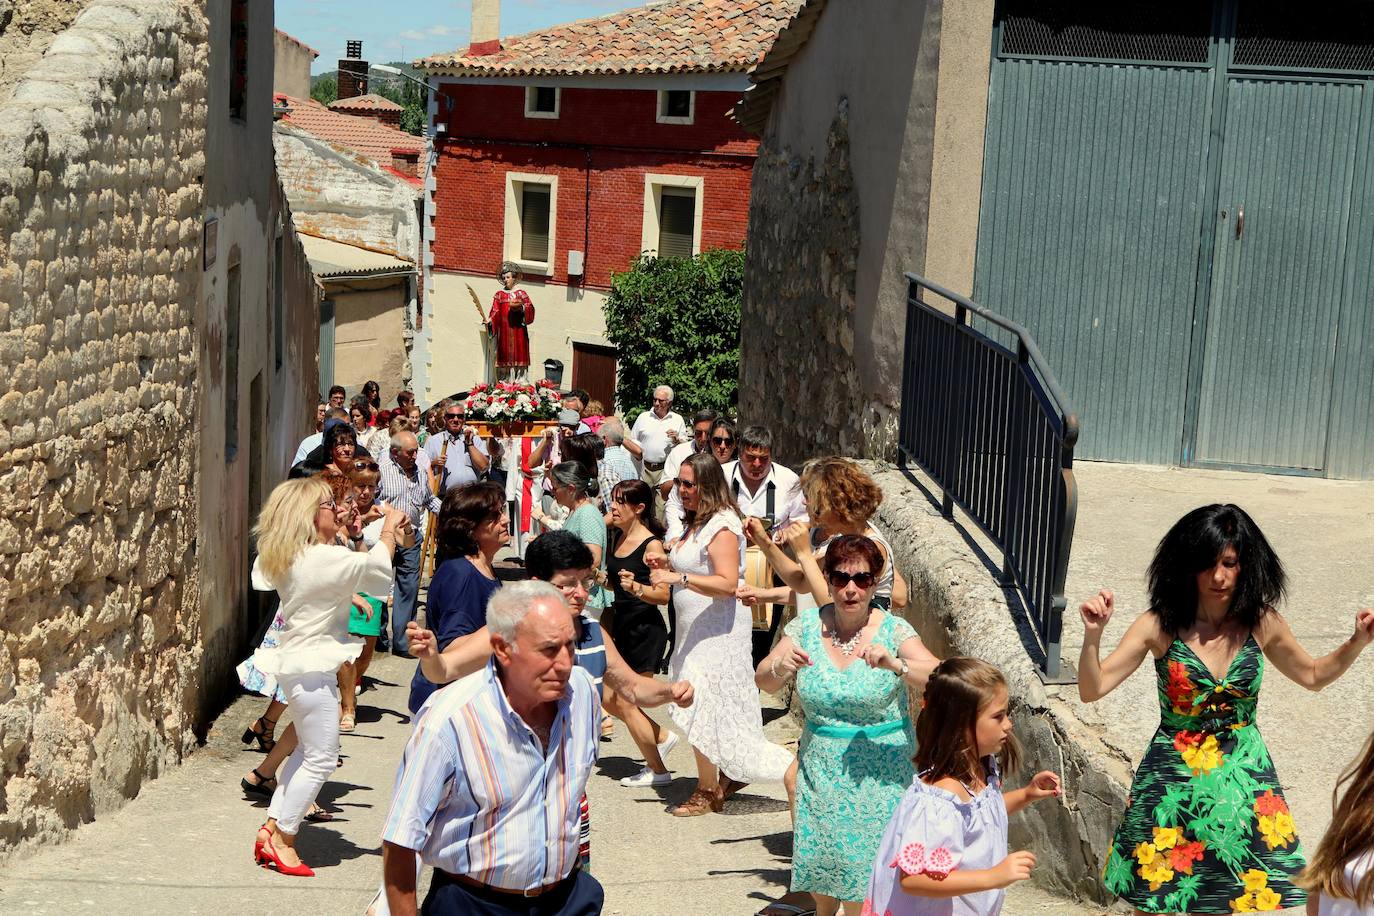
<point>486,26</point>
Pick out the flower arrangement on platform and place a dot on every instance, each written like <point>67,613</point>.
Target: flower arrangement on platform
<point>514,402</point>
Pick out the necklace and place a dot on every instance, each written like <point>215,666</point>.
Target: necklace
<point>847,646</point>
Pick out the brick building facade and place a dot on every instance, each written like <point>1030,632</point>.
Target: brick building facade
<point>571,151</point>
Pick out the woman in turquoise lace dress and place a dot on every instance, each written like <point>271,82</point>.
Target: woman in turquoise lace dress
<point>853,663</point>
<point>1206,827</point>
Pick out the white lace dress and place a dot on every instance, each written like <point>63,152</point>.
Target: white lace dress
<point>713,652</point>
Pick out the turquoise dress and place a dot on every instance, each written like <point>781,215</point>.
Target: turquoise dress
<point>854,760</point>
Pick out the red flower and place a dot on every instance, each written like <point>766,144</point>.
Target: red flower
<point>1270,804</point>
<point>1180,689</point>
<point>1186,739</point>
<point>1182,857</point>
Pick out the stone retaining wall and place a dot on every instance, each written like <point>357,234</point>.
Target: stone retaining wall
<point>959,609</point>
<point>101,158</point>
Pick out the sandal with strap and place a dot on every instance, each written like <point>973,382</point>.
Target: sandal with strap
<point>265,785</point>
<point>698,803</point>
<point>262,731</point>
<point>347,722</point>
<point>317,814</point>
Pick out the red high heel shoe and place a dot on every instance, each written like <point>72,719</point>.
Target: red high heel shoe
<point>258,841</point>
<point>266,855</point>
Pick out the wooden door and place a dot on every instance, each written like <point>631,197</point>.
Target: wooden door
<point>593,369</point>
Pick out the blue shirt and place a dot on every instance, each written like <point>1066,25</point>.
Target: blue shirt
<point>478,795</point>
<point>457,606</point>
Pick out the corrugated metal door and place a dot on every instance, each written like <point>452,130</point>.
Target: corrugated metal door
<point>1093,191</point>
<point>1278,260</point>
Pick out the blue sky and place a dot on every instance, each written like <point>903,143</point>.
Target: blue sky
<point>406,29</point>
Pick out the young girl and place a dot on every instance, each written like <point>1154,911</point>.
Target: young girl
<point>945,849</point>
<point>1340,880</point>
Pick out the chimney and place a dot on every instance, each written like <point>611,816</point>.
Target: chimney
<point>486,27</point>
<point>352,76</point>
<point>406,161</point>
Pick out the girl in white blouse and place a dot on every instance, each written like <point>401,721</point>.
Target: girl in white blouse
<point>316,578</point>
<point>1340,878</point>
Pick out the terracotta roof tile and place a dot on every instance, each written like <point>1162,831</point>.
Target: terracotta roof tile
<point>360,134</point>
<point>369,102</point>
<point>674,36</point>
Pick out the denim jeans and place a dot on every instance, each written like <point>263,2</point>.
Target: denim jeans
<point>407,588</point>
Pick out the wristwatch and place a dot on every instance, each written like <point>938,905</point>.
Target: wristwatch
<point>905,667</point>
<point>355,538</point>
<point>684,580</point>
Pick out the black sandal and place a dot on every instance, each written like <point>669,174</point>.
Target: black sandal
<point>260,787</point>
<point>261,731</point>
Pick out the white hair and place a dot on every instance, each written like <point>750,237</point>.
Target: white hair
<point>613,430</point>
<point>509,605</point>
<point>666,388</point>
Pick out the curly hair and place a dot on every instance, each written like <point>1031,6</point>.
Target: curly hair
<point>339,483</point>
<point>1195,543</point>
<point>840,488</point>
<point>465,509</point>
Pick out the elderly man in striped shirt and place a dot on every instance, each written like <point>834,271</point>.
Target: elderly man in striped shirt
<point>489,787</point>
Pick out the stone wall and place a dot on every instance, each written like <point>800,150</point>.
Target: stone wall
<point>798,371</point>
<point>27,27</point>
<point>958,608</point>
<point>101,155</point>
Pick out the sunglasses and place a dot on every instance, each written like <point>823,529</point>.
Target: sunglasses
<point>840,579</point>
<point>453,416</point>
<point>722,440</point>
<point>686,484</point>
<point>366,466</point>
<point>328,505</point>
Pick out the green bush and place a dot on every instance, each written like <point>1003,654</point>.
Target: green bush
<point>675,321</point>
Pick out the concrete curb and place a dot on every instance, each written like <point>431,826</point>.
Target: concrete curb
<point>958,608</point>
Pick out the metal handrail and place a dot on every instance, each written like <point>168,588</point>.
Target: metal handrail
<point>991,425</point>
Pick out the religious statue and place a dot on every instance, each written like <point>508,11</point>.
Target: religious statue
<point>512,313</point>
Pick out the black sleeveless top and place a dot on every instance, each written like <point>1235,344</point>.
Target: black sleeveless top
<point>626,603</point>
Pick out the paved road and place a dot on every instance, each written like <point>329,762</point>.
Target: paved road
<point>184,845</point>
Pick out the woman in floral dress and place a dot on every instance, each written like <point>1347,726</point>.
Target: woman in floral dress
<point>1206,828</point>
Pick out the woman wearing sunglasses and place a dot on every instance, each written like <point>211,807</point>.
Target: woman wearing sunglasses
<point>722,441</point>
<point>853,663</point>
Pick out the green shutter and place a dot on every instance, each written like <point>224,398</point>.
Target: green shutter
<point>534,222</point>
<point>676,222</point>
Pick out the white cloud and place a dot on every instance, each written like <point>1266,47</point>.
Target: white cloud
<point>412,35</point>
<point>440,30</point>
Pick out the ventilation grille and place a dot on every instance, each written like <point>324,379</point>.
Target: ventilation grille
<point>1128,30</point>
<point>1331,36</point>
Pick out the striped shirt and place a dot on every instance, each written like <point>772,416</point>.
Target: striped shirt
<point>407,492</point>
<point>477,795</point>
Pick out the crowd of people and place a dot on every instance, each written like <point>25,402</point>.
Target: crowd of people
<point>677,565</point>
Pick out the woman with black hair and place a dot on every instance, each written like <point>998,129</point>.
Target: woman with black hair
<point>1206,828</point>
<point>373,393</point>
<point>472,528</point>
<point>575,488</point>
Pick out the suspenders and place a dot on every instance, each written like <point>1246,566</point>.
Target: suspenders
<point>772,490</point>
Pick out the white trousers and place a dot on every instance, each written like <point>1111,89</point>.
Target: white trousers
<point>314,703</point>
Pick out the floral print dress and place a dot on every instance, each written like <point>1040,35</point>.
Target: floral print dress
<point>1206,828</point>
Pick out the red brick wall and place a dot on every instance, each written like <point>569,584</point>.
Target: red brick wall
<point>470,201</point>
<point>619,117</point>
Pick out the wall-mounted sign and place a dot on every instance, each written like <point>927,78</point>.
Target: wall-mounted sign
<point>210,242</point>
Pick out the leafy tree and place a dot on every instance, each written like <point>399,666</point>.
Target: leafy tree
<point>409,96</point>
<point>675,322</point>
<point>325,89</point>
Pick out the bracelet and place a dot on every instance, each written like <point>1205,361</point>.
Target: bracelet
<point>773,669</point>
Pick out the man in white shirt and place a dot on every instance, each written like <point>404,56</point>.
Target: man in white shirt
<point>653,434</point>
<point>701,431</point>
<point>466,458</point>
<point>762,488</point>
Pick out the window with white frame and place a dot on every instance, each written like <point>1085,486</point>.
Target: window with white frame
<point>676,106</point>
<point>672,215</point>
<point>542,101</point>
<point>531,215</point>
